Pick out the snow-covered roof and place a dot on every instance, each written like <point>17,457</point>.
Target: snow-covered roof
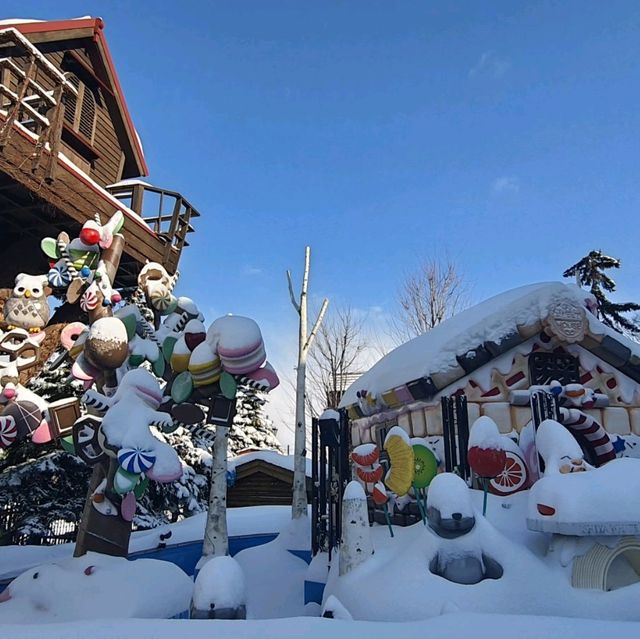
<point>491,321</point>
<point>268,456</point>
<point>129,182</point>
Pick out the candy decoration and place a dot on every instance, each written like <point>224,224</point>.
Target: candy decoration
<point>135,460</point>
<point>85,271</point>
<point>238,342</point>
<point>67,444</point>
<point>180,356</point>
<point>182,387</point>
<point>128,507</point>
<point>370,476</point>
<point>194,333</point>
<point>59,276</point>
<point>365,454</point>
<point>70,334</point>
<point>162,300</point>
<point>264,379</point>
<point>8,431</point>
<point>25,415</point>
<point>89,300</point>
<point>400,475</point>
<point>486,462</point>
<point>124,481</point>
<point>204,366</point>
<point>380,498</point>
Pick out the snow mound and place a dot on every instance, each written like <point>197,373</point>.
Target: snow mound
<point>485,434</point>
<point>96,587</point>
<point>603,501</point>
<point>219,583</point>
<point>450,494</point>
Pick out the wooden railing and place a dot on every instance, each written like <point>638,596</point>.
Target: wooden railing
<point>166,212</point>
<point>29,104</point>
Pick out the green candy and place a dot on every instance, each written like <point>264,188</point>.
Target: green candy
<point>124,481</point>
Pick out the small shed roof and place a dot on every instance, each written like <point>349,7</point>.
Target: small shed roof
<point>268,456</point>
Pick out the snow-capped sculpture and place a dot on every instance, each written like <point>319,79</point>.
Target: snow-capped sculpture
<point>220,591</point>
<point>451,517</point>
<point>559,449</point>
<point>570,501</point>
<point>92,586</point>
<point>125,434</point>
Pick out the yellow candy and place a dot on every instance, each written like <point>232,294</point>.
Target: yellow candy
<point>400,476</point>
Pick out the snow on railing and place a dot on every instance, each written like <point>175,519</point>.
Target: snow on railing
<point>31,105</point>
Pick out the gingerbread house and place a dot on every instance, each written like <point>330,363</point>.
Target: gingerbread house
<point>494,354</point>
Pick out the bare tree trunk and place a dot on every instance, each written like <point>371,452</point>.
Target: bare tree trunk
<point>216,538</point>
<point>299,501</point>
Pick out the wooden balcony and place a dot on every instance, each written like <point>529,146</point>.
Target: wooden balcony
<point>167,213</point>
<point>44,192</point>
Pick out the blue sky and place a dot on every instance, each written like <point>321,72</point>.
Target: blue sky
<point>504,134</point>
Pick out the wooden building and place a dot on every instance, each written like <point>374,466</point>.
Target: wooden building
<point>262,478</point>
<point>69,150</point>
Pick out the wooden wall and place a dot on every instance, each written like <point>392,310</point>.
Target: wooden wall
<point>259,483</point>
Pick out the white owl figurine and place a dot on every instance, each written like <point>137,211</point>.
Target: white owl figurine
<point>27,307</point>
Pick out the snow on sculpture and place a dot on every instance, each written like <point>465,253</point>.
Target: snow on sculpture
<point>569,501</point>
<point>451,517</point>
<point>125,434</point>
<point>220,591</point>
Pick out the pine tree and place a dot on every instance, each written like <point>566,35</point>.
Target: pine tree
<point>251,428</point>
<point>42,486</point>
<point>589,271</point>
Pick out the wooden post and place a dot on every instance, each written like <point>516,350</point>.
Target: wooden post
<point>105,534</point>
<point>299,503</point>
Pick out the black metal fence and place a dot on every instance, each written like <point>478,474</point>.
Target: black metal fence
<point>13,530</point>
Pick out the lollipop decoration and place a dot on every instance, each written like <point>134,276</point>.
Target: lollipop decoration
<point>485,453</point>
<point>381,498</point>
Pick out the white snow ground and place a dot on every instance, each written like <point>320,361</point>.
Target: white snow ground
<point>451,626</point>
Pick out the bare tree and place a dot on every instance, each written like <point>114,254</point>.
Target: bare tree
<point>305,339</point>
<point>427,297</point>
<point>335,359</point>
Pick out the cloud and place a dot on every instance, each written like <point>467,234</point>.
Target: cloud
<point>251,270</point>
<point>505,184</point>
<point>490,65</point>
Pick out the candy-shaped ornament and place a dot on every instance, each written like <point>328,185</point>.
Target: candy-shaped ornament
<point>238,342</point>
<point>59,276</point>
<point>8,431</point>
<point>134,460</point>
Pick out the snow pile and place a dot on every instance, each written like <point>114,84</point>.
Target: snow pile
<point>275,576</point>
<point>485,434</point>
<point>396,584</point>
<point>220,584</point>
<point>603,501</point>
<point>96,587</point>
<point>558,447</point>
<point>449,494</point>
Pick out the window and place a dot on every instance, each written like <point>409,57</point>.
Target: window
<point>546,367</point>
<point>80,111</point>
